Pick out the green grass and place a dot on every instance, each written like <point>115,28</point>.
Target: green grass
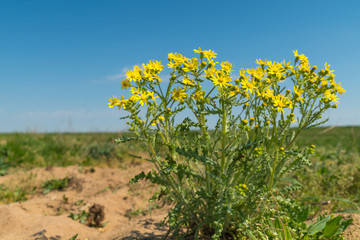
<point>333,180</point>
<point>30,150</point>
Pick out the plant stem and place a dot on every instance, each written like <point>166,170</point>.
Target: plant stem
<point>223,134</point>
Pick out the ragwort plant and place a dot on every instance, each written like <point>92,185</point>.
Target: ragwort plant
<point>224,181</point>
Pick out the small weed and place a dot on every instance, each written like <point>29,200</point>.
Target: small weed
<point>56,184</point>
<point>79,202</point>
<point>134,213</point>
<point>8,195</point>
<point>65,199</point>
<point>103,190</point>
<point>74,237</point>
<point>80,217</point>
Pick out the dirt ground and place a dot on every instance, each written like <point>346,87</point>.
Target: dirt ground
<point>125,207</point>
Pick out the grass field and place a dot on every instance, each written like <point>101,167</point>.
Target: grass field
<point>331,183</point>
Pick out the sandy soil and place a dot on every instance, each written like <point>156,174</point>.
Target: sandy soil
<point>45,216</point>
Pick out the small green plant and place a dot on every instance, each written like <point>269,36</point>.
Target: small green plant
<point>55,184</point>
<point>134,213</point>
<point>80,217</point>
<point>227,182</point>
<point>4,165</point>
<point>8,195</point>
<point>74,237</point>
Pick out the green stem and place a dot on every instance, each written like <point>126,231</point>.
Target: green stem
<point>223,134</point>
<point>276,155</point>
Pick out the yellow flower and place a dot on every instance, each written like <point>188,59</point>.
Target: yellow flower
<point>210,72</point>
<point>134,75</point>
<point>275,68</point>
<point>199,51</point>
<point>198,95</point>
<point>298,91</point>
<point>280,101</point>
<point>288,66</point>
<point>331,96</point>
<point>338,88</point>
<point>113,101</point>
<point>242,72</point>
<point>161,118</point>
<point>135,90</point>
<point>188,82</point>
<point>153,66</point>
<point>123,102</point>
<point>143,98</point>
<point>327,70</point>
<point>209,54</point>
<point>303,59</point>
<point>125,84</point>
<point>257,73</point>
<point>221,79</point>
<point>178,94</point>
<point>248,85</point>
<point>324,82</point>
<point>190,65</point>
<point>175,60</point>
<point>295,53</point>
<point>235,91</point>
<point>173,64</point>
<point>151,95</point>
<point>212,63</point>
<point>134,98</point>
<point>261,62</point>
<point>227,66</point>
<point>150,75</point>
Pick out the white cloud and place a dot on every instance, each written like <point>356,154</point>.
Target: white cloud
<point>120,75</point>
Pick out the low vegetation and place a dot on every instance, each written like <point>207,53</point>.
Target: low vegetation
<point>330,185</point>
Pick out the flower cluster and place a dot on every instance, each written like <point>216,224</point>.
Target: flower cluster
<point>261,83</point>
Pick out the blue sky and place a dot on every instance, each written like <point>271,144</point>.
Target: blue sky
<point>61,60</point>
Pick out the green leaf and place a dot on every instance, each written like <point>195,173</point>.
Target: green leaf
<point>343,200</point>
<point>287,233</point>
<point>348,211</point>
<point>74,237</point>
<point>303,215</point>
<point>250,235</point>
<point>343,226</point>
<point>318,226</point>
<point>331,227</point>
<point>278,224</point>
